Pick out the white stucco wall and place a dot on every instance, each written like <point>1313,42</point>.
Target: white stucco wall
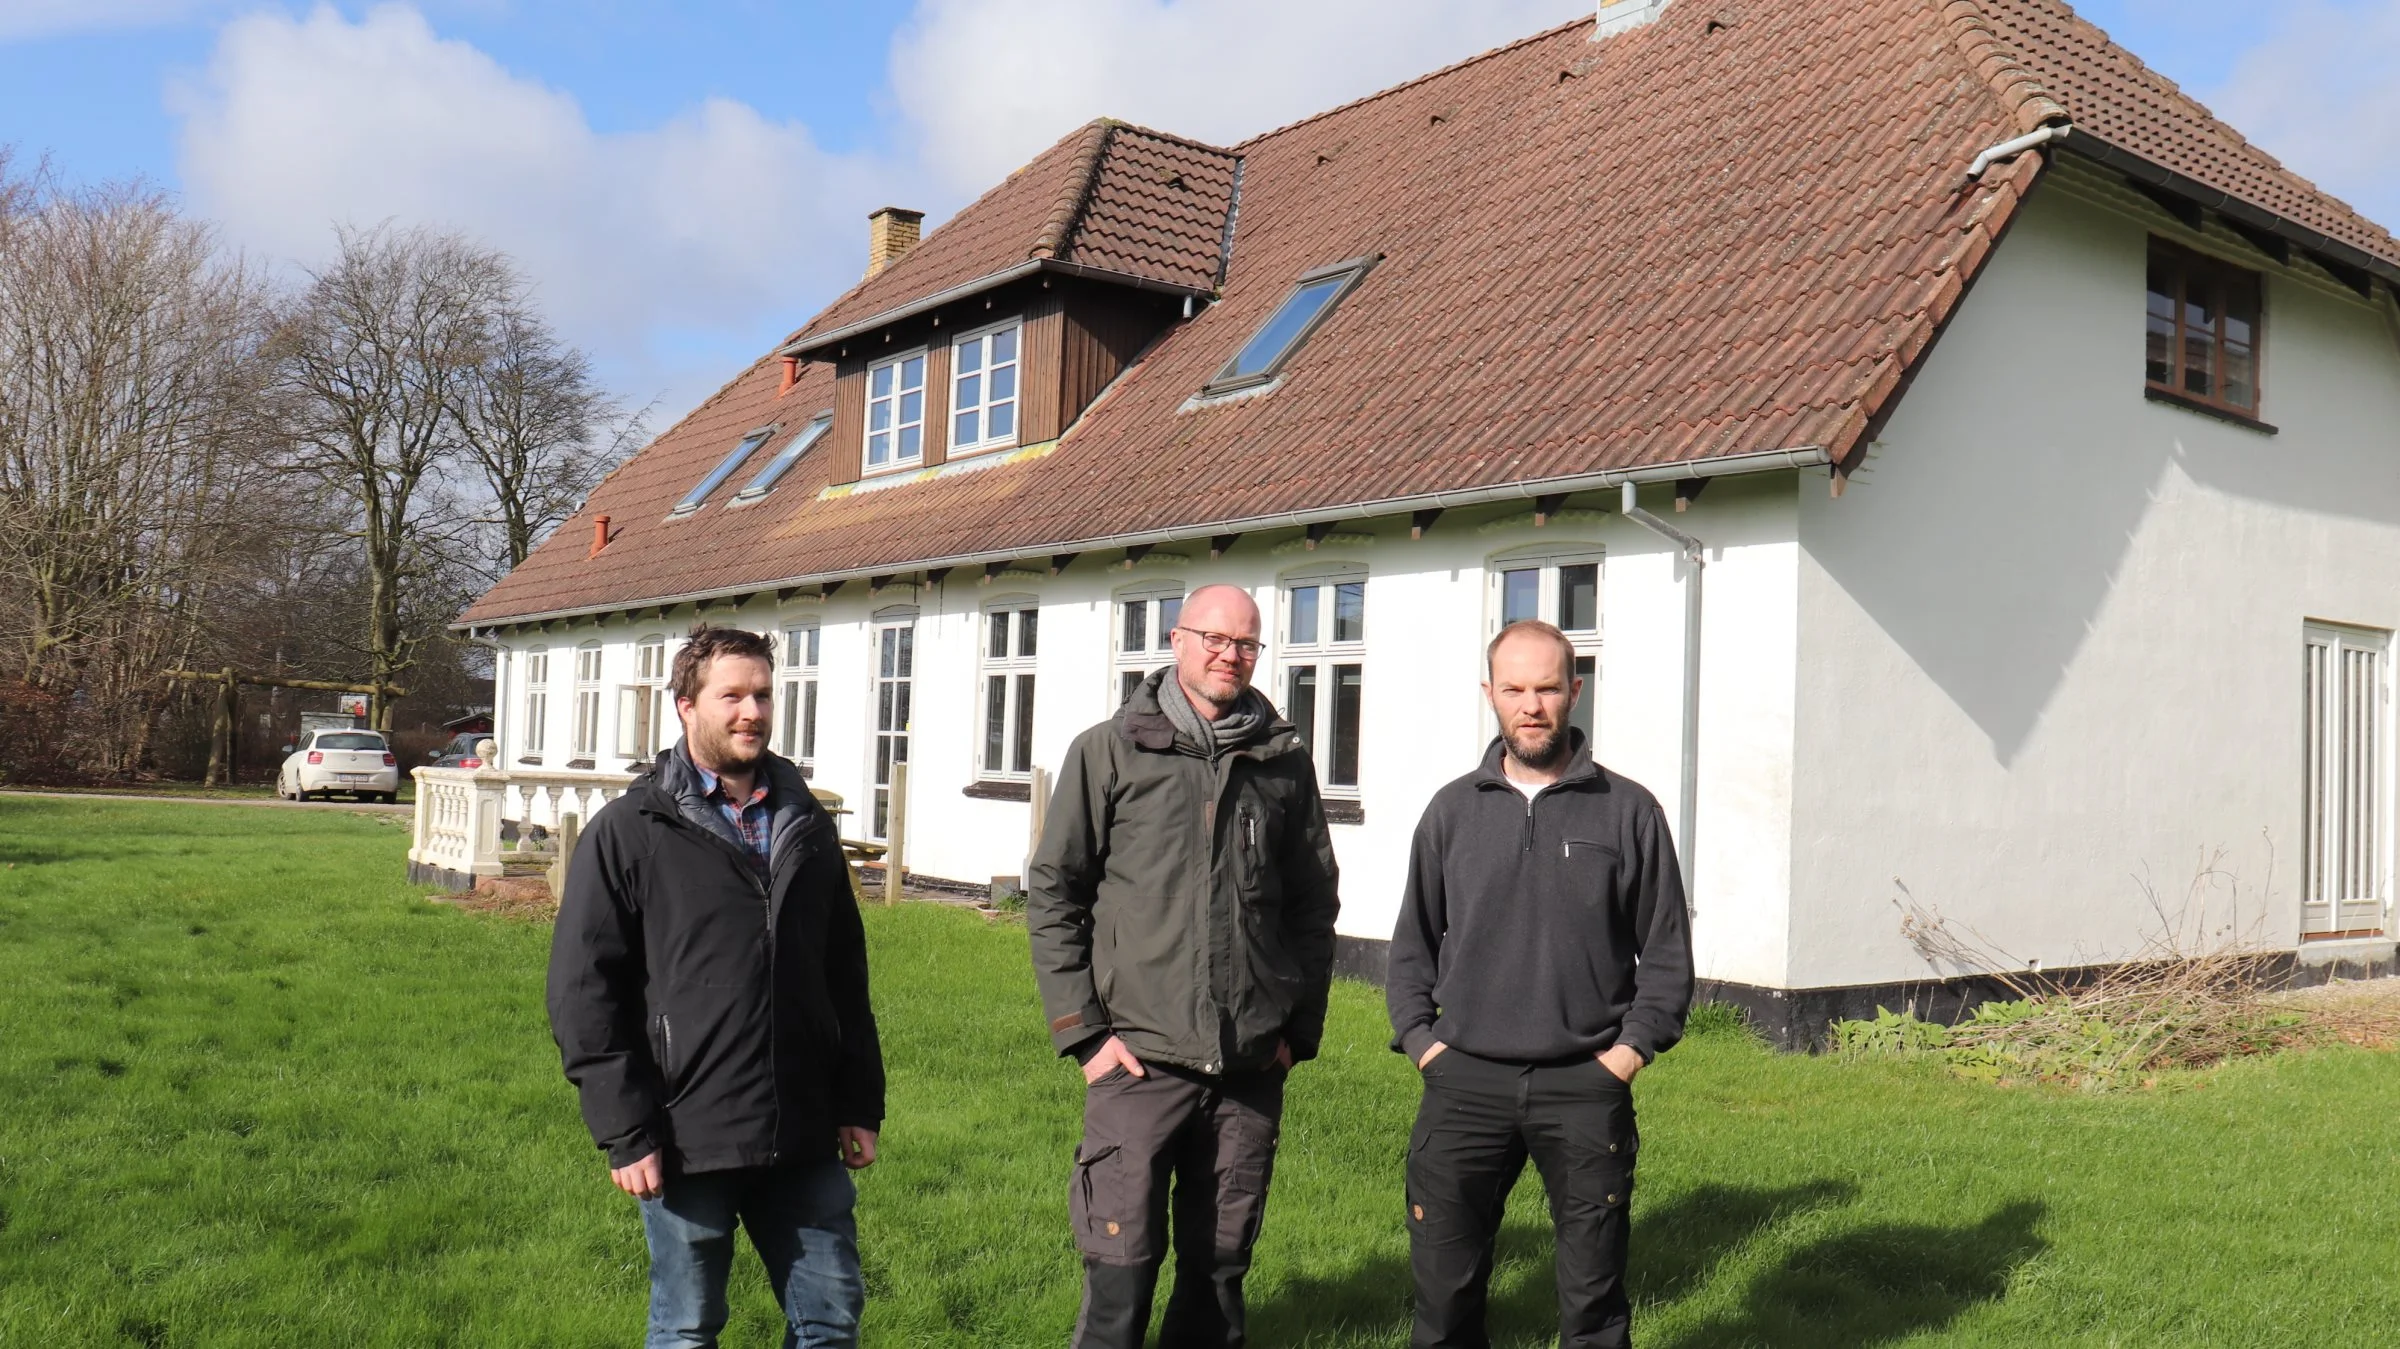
<point>1429,611</point>
<point>2050,640</point>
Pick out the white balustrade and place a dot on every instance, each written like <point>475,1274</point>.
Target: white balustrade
<point>460,811</point>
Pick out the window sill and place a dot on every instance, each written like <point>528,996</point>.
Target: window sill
<point>530,760</point>
<point>585,764</point>
<point>998,791</point>
<point>1345,812</point>
<point>916,465</point>
<point>990,447</point>
<point>2205,408</point>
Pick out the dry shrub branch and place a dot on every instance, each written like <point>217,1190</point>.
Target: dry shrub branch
<point>2192,997</point>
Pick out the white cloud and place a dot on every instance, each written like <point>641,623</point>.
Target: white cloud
<point>986,84</point>
<point>719,222</point>
<point>2323,95</point>
<point>675,252</point>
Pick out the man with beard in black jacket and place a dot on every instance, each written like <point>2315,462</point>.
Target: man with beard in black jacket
<point>708,992</point>
<point>1542,958</point>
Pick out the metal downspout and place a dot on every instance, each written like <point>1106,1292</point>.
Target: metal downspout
<point>1688,808</point>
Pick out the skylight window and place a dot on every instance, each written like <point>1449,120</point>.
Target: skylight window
<point>784,459</point>
<point>1312,299</point>
<point>717,476</point>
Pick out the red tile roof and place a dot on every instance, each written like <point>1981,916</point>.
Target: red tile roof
<point>1732,230</point>
<point>1130,202</point>
<point>2110,94</point>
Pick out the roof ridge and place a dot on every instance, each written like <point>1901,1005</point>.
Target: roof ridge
<point>2002,68</point>
<point>1503,49</point>
<point>1083,173</point>
<point>1185,141</point>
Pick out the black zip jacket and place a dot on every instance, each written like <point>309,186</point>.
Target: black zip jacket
<point>1543,928</point>
<point>698,1010</point>
<point>1184,903</point>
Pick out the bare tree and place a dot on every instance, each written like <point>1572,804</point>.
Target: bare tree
<point>373,360</point>
<point>129,370</point>
<point>539,428</point>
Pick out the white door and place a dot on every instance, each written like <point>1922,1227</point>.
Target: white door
<point>2347,883</point>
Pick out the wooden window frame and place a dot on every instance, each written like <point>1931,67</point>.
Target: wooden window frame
<point>798,674</point>
<point>1549,563</point>
<point>2224,280</point>
<point>1128,668</point>
<point>537,706</point>
<point>1326,654</point>
<point>1018,667</point>
<point>952,407</point>
<point>926,413</point>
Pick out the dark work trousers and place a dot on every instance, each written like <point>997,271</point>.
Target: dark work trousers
<point>1214,1138</point>
<point>1478,1122</point>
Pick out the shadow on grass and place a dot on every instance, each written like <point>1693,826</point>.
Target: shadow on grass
<point>1675,1248</point>
<point>1876,1285</point>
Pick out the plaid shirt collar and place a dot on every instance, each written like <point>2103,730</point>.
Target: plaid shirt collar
<point>752,819</point>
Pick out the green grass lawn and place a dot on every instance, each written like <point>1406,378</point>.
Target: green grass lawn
<point>256,1091</point>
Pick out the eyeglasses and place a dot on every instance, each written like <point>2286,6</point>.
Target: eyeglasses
<point>1215,643</point>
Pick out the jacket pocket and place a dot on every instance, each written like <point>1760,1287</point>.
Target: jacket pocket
<point>1591,869</point>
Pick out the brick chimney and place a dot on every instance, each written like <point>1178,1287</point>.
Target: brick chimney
<point>1618,15</point>
<point>891,232</point>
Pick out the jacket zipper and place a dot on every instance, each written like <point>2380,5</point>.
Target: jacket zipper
<point>666,1031</point>
<point>766,905</point>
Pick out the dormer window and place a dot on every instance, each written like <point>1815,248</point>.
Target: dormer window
<point>983,390</point>
<point>726,468</point>
<point>896,412</point>
<point>1312,299</point>
<point>784,459</point>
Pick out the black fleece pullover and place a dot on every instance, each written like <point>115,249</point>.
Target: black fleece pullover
<point>1545,928</point>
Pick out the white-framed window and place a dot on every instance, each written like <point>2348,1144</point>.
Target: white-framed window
<point>1145,615</point>
<point>983,389</point>
<point>1011,633</point>
<point>895,679</point>
<point>643,713</point>
<point>2346,885</point>
<point>1323,671</point>
<point>587,702</point>
<point>796,717</point>
<point>896,412</point>
<point>537,706</point>
<point>1561,587</point>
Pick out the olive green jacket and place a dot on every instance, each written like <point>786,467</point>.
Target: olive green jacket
<point>1184,905</point>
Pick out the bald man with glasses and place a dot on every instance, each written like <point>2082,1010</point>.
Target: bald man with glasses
<point>1181,905</point>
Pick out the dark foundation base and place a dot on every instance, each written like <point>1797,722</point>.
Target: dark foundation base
<point>1800,1018</point>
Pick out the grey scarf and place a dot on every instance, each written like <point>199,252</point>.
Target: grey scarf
<point>1245,722</point>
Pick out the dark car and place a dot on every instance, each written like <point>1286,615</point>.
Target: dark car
<point>460,751</point>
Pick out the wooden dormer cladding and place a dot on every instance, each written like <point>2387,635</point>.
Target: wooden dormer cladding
<point>1077,336</point>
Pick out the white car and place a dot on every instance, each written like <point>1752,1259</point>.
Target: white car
<point>358,762</point>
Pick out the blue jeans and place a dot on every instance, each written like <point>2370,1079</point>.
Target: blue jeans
<point>799,1218</point>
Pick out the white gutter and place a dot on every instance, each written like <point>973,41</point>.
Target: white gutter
<point>1764,461</point>
<point>1695,556</point>
<point>2010,149</point>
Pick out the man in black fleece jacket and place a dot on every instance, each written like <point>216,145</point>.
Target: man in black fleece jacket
<point>1541,960</point>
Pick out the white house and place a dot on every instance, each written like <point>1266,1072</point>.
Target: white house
<point>2040,440</point>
